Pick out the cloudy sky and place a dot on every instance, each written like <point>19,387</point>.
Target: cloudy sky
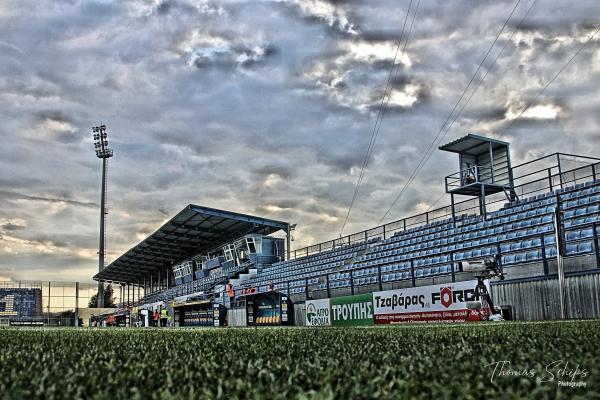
<point>263,107</point>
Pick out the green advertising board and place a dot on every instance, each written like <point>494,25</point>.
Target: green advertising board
<point>352,310</point>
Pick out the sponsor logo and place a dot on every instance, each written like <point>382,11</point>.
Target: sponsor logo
<point>400,301</point>
<point>446,296</point>
<point>317,316</point>
<point>346,312</point>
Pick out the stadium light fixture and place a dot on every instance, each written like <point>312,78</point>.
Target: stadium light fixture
<point>103,152</point>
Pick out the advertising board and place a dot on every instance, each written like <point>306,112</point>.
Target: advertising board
<point>436,303</point>
<point>318,313</point>
<point>352,310</point>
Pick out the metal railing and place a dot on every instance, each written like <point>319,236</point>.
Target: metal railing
<point>469,176</point>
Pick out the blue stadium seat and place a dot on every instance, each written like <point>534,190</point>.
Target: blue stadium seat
<point>569,214</point>
<point>520,257</point>
<point>571,248</point>
<point>509,259</point>
<point>583,201</point>
<point>587,233</point>
<point>584,247</point>
<point>591,219</point>
<point>570,204</point>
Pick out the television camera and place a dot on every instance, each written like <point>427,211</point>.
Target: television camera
<point>489,268</point>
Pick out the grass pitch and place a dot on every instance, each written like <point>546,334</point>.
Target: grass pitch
<point>432,361</point>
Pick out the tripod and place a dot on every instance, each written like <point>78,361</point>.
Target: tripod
<point>485,306</point>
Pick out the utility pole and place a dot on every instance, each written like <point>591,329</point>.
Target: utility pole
<point>103,152</point>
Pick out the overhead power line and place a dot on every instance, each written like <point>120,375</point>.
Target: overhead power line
<point>439,136</point>
<point>534,100</point>
<point>488,70</point>
<point>382,108</point>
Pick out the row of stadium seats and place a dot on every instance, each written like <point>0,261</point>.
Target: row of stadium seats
<point>521,232</point>
<point>306,267</point>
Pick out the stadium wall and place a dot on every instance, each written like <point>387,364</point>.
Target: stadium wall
<point>300,314</point>
<point>236,316</point>
<point>539,300</point>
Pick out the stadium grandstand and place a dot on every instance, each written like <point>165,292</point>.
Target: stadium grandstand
<point>539,218</point>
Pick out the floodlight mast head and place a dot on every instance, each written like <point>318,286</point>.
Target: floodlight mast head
<point>101,142</point>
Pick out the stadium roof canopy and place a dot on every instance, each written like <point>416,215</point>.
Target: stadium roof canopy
<point>472,144</point>
<point>192,231</point>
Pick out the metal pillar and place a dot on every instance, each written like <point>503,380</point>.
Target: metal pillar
<point>288,239</point>
<point>559,170</point>
<point>101,245</point>
<point>544,257</point>
<point>491,153</point>
<point>76,304</point>
<point>596,245</point>
<point>559,263</point>
<point>482,207</point>
<point>48,303</point>
<point>453,210</point>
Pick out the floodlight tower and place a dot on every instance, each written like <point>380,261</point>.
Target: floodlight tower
<point>103,152</point>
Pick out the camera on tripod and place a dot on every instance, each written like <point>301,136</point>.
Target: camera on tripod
<point>488,268</point>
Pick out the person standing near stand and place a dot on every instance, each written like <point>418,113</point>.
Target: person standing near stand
<point>155,318</point>
<point>164,317</point>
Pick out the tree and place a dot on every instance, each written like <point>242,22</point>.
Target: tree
<point>109,300</point>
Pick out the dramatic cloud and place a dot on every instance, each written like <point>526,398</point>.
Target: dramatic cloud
<point>264,107</point>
